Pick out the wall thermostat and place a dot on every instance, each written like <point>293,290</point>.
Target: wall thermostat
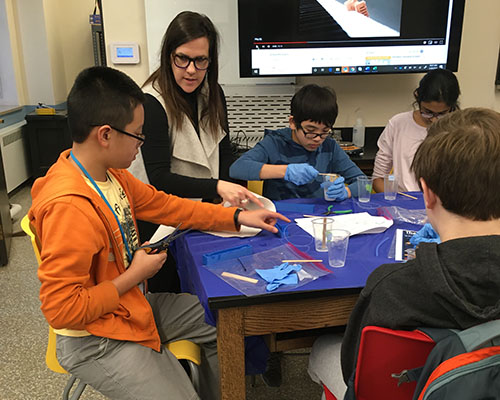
<point>124,53</point>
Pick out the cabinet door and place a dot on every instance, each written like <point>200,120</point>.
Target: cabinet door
<point>47,140</point>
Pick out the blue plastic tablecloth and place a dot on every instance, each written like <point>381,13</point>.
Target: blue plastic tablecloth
<point>365,251</point>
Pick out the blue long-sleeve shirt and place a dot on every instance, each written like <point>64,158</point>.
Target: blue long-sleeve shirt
<point>278,148</point>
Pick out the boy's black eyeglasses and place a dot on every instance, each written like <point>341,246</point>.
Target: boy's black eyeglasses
<point>200,63</point>
<point>313,135</point>
<point>140,137</point>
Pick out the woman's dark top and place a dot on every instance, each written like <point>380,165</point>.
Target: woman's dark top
<point>157,152</point>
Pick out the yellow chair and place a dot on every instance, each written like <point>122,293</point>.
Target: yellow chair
<point>255,186</point>
<point>181,349</point>
<point>50,354</point>
<point>190,352</point>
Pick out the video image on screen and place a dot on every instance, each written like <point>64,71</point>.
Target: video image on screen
<point>309,37</point>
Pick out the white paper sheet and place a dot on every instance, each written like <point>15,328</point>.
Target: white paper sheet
<point>246,231</point>
<point>354,223</point>
<point>161,232</point>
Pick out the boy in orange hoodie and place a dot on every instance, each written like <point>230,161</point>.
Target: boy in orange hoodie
<point>109,331</point>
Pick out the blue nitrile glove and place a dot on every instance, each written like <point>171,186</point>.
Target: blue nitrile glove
<point>300,174</point>
<point>427,235</point>
<point>280,275</point>
<point>337,189</point>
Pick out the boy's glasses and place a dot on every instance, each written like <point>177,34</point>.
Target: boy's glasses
<point>140,137</point>
<point>313,135</point>
<point>200,63</point>
<point>427,114</point>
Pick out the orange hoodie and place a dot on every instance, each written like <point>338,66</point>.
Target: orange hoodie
<point>81,250</point>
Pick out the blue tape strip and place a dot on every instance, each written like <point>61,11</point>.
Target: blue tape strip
<point>295,207</point>
<point>227,254</point>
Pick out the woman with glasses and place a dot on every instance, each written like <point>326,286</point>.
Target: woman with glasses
<point>290,159</point>
<point>187,150</point>
<point>436,96</point>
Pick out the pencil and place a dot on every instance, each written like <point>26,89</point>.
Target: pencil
<point>301,261</point>
<point>239,277</point>
<point>407,195</point>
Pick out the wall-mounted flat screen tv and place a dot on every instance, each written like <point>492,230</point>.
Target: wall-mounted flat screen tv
<point>329,37</point>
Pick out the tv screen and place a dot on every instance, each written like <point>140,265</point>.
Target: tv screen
<point>329,37</point>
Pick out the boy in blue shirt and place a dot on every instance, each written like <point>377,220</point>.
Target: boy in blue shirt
<point>290,159</point>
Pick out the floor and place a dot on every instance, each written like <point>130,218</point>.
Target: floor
<point>23,333</point>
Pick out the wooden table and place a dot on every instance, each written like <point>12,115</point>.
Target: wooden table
<point>234,323</point>
<point>325,302</point>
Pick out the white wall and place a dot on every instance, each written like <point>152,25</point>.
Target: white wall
<point>8,90</point>
<point>69,42</point>
<point>35,52</point>
<point>50,44</point>
<point>127,24</point>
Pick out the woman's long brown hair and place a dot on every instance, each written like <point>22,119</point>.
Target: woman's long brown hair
<point>185,27</point>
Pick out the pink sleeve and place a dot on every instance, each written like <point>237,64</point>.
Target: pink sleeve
<point>384,157</point>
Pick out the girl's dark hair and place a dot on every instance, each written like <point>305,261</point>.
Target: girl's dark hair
<point>185,27</point>
<point>438,85</point>
<point>315,103</point>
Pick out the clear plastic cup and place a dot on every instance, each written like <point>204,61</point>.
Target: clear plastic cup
<point>337,242</point>
<point>390,187</point>
<point>328,180</point>
<point>365,184</point>
<point>321,229</point>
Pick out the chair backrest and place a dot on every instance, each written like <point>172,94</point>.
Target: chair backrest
<point>255,186</point>
<point>26,227</point>
<point>50,354</point>
<point>383,352</point>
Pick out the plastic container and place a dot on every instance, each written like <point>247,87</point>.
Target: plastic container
<point>358,133</point>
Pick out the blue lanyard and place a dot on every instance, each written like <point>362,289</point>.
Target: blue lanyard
<point>125,242</point>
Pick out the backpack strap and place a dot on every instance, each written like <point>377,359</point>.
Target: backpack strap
<point>476,336</point>
<point>438,334</point>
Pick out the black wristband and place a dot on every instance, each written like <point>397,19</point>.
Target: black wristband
<point>235,217</point>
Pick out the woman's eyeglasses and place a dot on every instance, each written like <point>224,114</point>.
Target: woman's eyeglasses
<point>200,63</point>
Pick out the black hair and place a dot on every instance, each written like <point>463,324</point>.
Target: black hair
<point>439,85</point>
<point>315,103</point>
<point>101,95</point>
<point>185,27</point>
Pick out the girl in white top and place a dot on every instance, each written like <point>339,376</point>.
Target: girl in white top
<point>436,95</point>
